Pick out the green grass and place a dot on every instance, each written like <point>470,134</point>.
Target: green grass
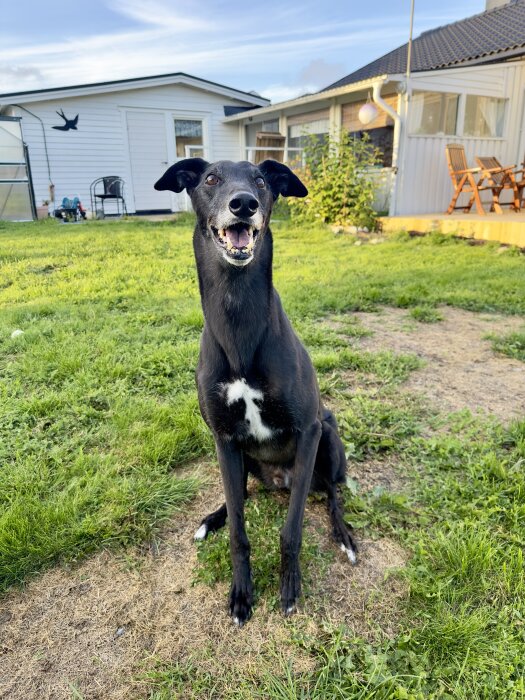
<point>99,420</point>
<point>511,345</point>
<point>426,314</point>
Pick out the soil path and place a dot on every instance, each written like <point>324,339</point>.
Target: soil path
<point>461,370</point>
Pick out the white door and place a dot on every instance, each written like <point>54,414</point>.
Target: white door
<point>189,143</point>
<point>148,152</point>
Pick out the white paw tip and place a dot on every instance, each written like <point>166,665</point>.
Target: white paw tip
<point>237,622</point>
<point>349,553</point>
<point>290,610</point>
<point>201,533</point>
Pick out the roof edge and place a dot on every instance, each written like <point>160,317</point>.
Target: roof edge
<point>314,97</point>
<point>129,83</point>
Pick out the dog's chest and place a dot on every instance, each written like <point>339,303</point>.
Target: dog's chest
<point>244,410</point>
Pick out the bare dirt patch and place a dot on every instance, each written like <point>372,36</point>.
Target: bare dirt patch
<point>89,629</point>
<point>461,369</point>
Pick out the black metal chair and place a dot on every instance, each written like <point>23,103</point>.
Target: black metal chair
<point>104,189</point>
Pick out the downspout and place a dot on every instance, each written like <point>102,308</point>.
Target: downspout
<point>376,96</point>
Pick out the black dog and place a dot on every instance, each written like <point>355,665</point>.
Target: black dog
<point>257,387</point>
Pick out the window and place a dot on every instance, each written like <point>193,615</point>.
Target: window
<point>270,126</point>
<point>484,116</point>
<point>298,133</point>
<point>433,113</point>
<point>382,138</point>
<point>188,138</point>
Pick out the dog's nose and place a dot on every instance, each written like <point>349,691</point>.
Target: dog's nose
<point>243,204</point>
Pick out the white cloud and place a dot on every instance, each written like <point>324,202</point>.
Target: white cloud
<point>160,14</point>
<point>321,73</point>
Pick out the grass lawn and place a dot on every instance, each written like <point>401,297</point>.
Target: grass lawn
<point>99,422</point>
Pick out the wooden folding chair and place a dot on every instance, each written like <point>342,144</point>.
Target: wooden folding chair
<point>464,181</point>
<point>504,177</point>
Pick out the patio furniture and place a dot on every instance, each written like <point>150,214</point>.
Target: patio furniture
<point>505,177</point>
<point>464,181</point>
<point>107,189</point>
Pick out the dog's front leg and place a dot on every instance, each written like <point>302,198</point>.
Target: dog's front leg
<point>291,534</point>
<point>232,471</point>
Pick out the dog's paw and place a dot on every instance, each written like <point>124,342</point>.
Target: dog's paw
<point>201,533</point>
<point>241,603</point>
<point>343,537</point>
<point>350,553</point>
<point>290,590</point>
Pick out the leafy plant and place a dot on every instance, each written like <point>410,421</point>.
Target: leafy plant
<point>337,175</point>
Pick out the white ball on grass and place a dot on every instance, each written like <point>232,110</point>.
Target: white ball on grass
<point>17,333</point>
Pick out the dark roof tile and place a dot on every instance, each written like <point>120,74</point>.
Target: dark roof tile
<point>480,37</point>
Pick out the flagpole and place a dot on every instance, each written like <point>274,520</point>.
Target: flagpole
<point>409,52</point>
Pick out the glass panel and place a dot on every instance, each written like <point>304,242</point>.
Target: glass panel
<point>13,172</point>
<point>298,135</point>
<point>15,202</point>
<point>11,145</point>
<point>320,126</point>
<point>484,116</point>
<point>194,152</point>
<point>433,113</point>
<point>270,126</point>
<point>188,132</point>
<point>382,138</point>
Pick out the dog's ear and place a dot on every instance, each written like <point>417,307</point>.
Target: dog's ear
<point>183,175</point>
<point>282,180</point>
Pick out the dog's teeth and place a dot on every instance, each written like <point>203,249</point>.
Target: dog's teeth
<point>349,553</point>
<point>201,533</point>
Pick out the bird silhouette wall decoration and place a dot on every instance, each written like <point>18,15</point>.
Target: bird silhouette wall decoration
<point>69,123</point>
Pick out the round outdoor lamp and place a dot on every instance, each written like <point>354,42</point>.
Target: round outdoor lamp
<point>367,113</point>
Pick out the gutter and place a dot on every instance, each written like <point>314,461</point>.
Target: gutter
<point>315,97</point>
<point>376,96</point>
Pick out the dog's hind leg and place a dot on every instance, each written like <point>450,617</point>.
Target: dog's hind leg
<point>330,468</point>
<point>214,521</point>
<point>340,529</point>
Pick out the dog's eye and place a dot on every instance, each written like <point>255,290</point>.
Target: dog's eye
<point>212,180</point>
<point>259,181</point>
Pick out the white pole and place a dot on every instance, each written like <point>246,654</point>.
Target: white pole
<point>409,52</point>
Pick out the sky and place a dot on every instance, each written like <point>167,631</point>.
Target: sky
<point>279,49</point>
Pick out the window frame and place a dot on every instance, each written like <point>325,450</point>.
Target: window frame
<point>460,119</point>
<point>439,134</point>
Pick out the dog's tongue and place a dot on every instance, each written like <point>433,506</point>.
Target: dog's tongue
<point>239,238</point>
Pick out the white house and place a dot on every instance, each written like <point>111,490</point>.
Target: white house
<point>466,85</point>
<point>129,128</point>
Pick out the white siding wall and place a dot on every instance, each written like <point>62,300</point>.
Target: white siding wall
<point>424,184</point>
<point>99,146</point>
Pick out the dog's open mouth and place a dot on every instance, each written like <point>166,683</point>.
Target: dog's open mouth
<point>237,240</point>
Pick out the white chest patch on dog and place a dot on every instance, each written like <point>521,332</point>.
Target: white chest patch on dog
<point>240,389</point>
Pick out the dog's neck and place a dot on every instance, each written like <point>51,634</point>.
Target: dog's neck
<point>236,301</point>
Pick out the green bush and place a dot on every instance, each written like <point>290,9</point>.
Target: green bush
<point>336,173</point>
